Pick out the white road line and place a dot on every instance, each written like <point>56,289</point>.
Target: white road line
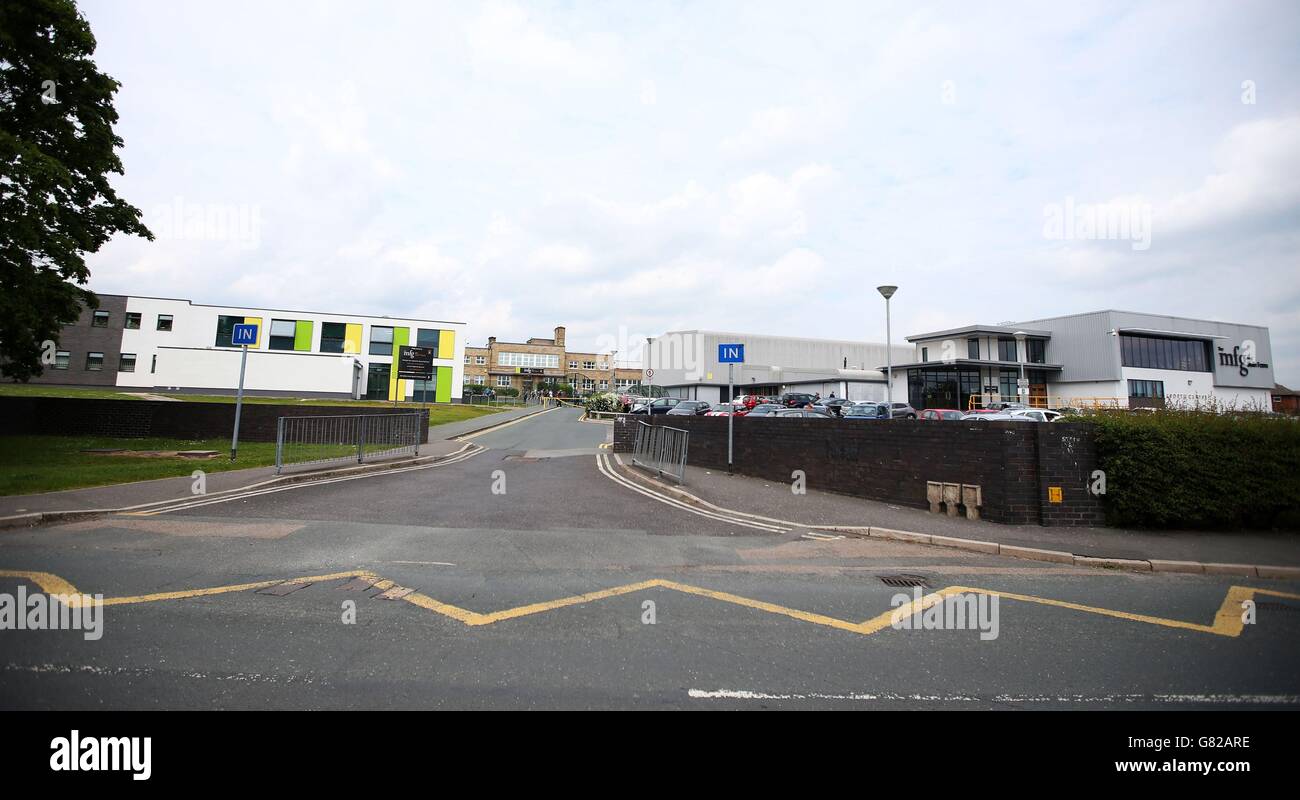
<point>1162,699</point>
<point>207,501</point>
<point>602,463</point>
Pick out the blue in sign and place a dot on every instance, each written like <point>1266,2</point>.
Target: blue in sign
<point>731,354</point>
<point>243,335</point>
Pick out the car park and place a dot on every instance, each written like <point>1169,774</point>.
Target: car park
<point>689,408</point>
<point>940,414</point>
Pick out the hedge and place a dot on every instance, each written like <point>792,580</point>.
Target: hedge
<point>1187,469</point>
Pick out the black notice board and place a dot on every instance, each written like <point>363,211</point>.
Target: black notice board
<point>415,363</point>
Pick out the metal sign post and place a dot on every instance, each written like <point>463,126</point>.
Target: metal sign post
<point>730,354</point>
<point>242,335</point>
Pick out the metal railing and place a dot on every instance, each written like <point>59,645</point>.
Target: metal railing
<point>345,437</point>
<point>662,449</point>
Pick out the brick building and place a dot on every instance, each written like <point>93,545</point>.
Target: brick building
<point>537,363</point>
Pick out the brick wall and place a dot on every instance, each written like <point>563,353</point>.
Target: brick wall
<point>70,416</point>
<point>1013,463</point>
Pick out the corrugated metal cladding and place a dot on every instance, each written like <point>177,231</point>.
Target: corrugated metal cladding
<point>763,351</point>
<point>1082,345</point>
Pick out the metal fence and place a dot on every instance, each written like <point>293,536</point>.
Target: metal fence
<point>345,437</point>
<point>662,449</point>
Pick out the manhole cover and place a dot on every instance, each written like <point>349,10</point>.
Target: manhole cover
<point>904,581</point>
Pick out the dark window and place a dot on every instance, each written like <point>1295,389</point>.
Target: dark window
<point>1007,350</point>
<point>973,349</point>
<point>925,354</point>
<point>153,364</point>
<point>1154,389</point>
<point>332,336</point>
<point>133,320</point>
<point>126,363</point>
<point>1037,351</point>
<point>381,341</point>
<point>164,322</point>
<point>99,319</point>
<point>226,329</point>
<point>427,338</point>
<point>1155,352</point>
<point>94,361</point>
<point>61,359</point>
<point>282,334</point>
<point>1007,386</point>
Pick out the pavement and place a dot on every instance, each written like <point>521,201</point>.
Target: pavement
<point>769,498</point>
<point>525,574</point>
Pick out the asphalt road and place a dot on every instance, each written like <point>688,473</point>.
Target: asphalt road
<point>492,561</point>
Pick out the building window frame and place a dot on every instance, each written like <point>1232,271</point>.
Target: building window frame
<point>165,323</point>
<point>132,321</point>
<point>380,346</point>
<point>62,358</point>
<point>99,319</point>
<point>973,349</point>
<point>94,361</point>
<point>126,362</point>
<point>333,344</point>
<point>277,341</point>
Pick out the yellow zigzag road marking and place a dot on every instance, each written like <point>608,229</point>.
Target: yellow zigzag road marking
<point>1227,621</point>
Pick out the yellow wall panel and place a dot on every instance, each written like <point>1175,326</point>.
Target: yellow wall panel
<point>446,344</point>
<point>352,339</point>
<point>258,322</point>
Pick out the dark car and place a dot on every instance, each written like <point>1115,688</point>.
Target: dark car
<point>764,410</point>
<point>865,411</point>
<point>661,406</point>
<point>690,408</point>
<point>832,405</point>
<point>797,399</point>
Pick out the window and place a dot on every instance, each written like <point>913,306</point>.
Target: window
<point>587,384</point>
<point>1037,351</point>
<point>925,354</point>
<point>153,365</point>
<point>573,365</point>
<point>973,349</point>
<point>226,330</point>
<point>164,322</point>
<point>126,363</point>
<point>1152,389</point>
<point>503,380</point>
<point>94,361</point>
<point>1154,352</point>
<point>467,358</point>
<point>61,359</point>
<point>381,341</point>
<point>1007,384</point>
<point>480,360</point>
<point>1007,350</point>
<point>425,337</point>
<point>133,321</point>
<point>99,319</point>
<point>529,360</point>
<point>332,336</point>
<point>282,334</point>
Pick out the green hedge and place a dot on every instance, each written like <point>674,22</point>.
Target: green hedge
<point>1186,469</point>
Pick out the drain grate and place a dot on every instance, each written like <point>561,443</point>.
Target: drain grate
<point>904,581</point>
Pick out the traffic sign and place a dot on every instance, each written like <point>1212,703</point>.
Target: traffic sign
<point>650,373</point>
<point>243,334</point>
<point>731,354</point>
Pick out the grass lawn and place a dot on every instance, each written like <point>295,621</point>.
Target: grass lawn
<point>30,464</point>
<point>438,412</point>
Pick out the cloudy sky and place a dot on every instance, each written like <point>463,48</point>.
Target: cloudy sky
<point>629,168</point>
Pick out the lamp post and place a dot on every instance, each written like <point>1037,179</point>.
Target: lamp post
<point>888,292</point>
<point>1022,387</point>
<point>613,369</point>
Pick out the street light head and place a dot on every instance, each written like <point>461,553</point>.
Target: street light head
<point>1020,334</point>
<point>886,291</point>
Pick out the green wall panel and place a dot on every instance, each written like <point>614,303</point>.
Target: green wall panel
<point>443,394</point>
<point>302,335</point>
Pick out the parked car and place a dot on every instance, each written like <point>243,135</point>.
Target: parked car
<point>727,410</point>
<point>864,411</point>
<point>689,408</point>
<point>660,406</point>
<point>796,399</point>
<point>1036,414</point>
<point>940,414</point>
<point>996,417</point>
<point>765,410</point>
<point>750,400</point>
<point>832,405</point>
<point>807,413</point>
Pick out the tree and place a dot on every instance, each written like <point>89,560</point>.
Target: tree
<point>57,149</point>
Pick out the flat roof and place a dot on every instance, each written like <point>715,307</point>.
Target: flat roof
<point>1001,330</point>
<point>283,310</point>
